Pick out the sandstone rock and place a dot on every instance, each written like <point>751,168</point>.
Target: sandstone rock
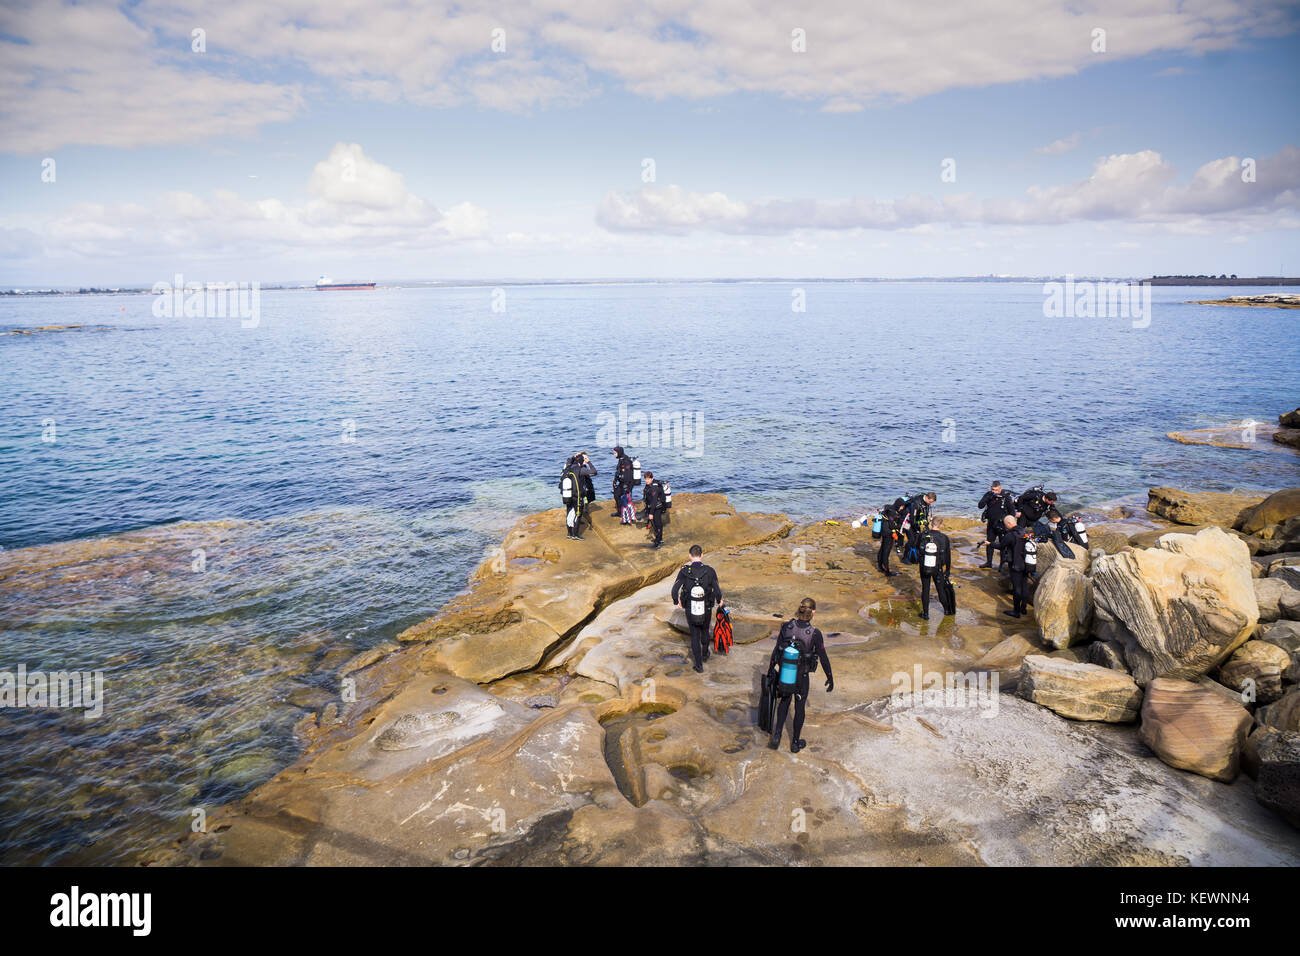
<point>1193,728</point>
<point>1283,714</point>
<point>1149,539</point>
<point>1079,691</point>
<point>1256,667</point>
<point>1250,750</point>
<point>1179,608</point>
<point>527,601</point>
<point>1287,436</point>
<point>1200,507</point>
<point>1005,658</point>
<point>1063,605</point>
<point>1289,419</point>
<point>1286,635</point>
<point>1288,574</point>
<point>1107,654</point>
<point>1276,599</point>
<point>1273,510</point>
<point>1277,784</point>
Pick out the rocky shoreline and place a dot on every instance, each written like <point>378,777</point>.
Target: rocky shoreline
<point>549,713</point>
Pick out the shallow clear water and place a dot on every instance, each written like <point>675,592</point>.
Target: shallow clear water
<point>316,547</point>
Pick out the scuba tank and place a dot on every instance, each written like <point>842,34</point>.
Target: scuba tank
<point>636,471</point>
<point>1079,528</point>
<point>875,525</point>
<point>931,558</point>
<point>789,675</point>
<point>1031,553</point>
<point>697,602</point>
<point>668,495</point>
<point>566,487</point>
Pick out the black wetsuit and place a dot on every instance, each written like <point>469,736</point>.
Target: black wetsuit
<point>1013,550</point>
<point>888,539</point>
<point>622,484</point>
<point>995,507</point>
<point>1046,531</point>
<point>652,496</point>
<point>1032,505</point>
<point>813,646</point>
<point>942,566</point>
<point>690,575</point>
<point>918,511</point>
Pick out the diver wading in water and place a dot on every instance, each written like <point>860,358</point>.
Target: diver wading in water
<point>799,647</point>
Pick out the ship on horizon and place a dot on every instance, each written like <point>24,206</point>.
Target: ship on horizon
<point>325,283</point>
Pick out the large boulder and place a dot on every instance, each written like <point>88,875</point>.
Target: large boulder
<point>1063,605</point>
<point>1255,670</point>
<point>1276,509</point>
<point>1179,608</point>
<point>1079,691</point>
<point>1282,714</point>
<point>1286,635</point>
<point>1277,600</point>
<point>1201,507</point>
<point>1287,436</point>
<point>1277,783</point>
<point>1191,727</point>
<point>1005,659</point>
<point>1289,419</point>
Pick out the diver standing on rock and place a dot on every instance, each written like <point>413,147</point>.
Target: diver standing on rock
<point>995,505</point>
<point>936,566</point>
<point>623,484</point>
<point>889,525</point>
<point>1033,504</point>
<point>1020,552</point>
<point>696,591</point>
<point>652,496</point>
<point>917,513</point>
<point>573,495</point>
<point>799,646</point>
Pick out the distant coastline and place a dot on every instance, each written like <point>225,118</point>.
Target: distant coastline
<point>306,286</point>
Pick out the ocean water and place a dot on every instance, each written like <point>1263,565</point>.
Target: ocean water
<point>225,514</point>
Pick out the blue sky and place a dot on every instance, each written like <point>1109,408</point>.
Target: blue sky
<point>279,158</point>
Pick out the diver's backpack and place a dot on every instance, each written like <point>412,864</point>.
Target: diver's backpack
<point>668,495</point>
<point>877,521</point>
<point>1031,552</point>
<point>929,554</point>
<point>636,472</point>
<point>697,599</point>
<point>796,665</point>
<point>568,487</point>
<point>1076,530</point>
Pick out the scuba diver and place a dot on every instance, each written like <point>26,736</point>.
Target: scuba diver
<point>995,505</point>
<point>1033,504</point>
<point>575,480</point>
<point>889,534</point>
<point>652,496</point>
<point>1075,531</point>
<point>917,514</point>
<point>623,484</point>
<point>695,591</point>
<point>1053,530</point>
<point>799,646</point>
<point>936,565</point>
<point>1021,553</point>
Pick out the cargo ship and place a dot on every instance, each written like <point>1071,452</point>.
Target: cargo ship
<point>325,283</point>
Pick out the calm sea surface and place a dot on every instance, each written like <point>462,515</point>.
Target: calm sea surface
<point>224,514</point>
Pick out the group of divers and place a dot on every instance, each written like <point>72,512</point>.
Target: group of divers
<point>1015,525</point>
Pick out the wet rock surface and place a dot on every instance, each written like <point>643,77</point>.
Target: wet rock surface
<point>610,750</point>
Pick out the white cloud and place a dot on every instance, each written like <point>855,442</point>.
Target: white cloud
<point>354,202</point>
<point>1131,187</point>
<point>1056,147</point>
<point>91,73</point>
